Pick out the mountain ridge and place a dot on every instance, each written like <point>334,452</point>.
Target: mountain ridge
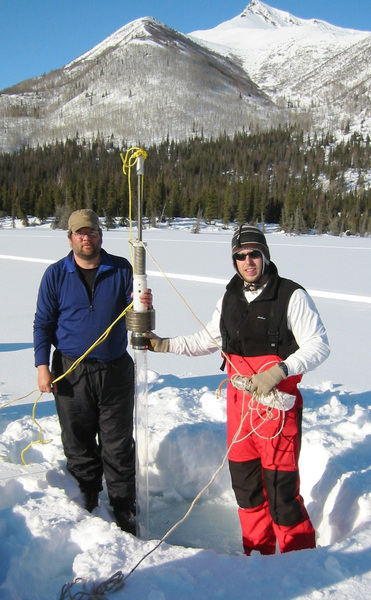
<point>146,82</point>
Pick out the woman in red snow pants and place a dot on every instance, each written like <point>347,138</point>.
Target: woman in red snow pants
<point>263,462</point>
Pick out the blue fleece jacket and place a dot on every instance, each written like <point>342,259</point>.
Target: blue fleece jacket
<point>66,318</point>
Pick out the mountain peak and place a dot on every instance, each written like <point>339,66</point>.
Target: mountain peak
<point>270,17</point>
<point>137,29</point>
<point>258,16</point>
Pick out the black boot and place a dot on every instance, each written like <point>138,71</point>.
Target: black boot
<point>90,500</point>
<point>125,517</point>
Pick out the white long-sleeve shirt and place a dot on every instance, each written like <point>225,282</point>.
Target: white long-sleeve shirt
<point>302,319</point>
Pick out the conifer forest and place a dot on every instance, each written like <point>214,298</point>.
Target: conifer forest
<point>304,183</point>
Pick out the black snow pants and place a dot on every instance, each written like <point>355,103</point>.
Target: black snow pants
<point>95,405</point>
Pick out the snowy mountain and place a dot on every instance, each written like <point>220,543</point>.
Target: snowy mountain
<point>146,82</point>
<point>321,71</point>
<point>141,84</point>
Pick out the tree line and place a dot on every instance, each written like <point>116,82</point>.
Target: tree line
<point>282,176</point>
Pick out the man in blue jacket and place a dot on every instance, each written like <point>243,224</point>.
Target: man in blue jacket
<point>80,296</point>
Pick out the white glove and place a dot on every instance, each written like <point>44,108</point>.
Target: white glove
<point>263,383</point>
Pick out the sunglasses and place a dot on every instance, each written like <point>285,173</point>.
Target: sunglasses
<point>242,255</point>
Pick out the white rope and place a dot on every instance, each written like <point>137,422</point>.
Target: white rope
<point>97,592</point>
<point>215,474</point>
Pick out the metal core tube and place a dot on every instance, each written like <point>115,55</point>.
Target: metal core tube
<point>140,321</point>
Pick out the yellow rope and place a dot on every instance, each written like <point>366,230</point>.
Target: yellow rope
<point>40,439</point>
<point>128,162</point>
<point>101,339</point>
<point>6,458</point>
<point>18,399</point>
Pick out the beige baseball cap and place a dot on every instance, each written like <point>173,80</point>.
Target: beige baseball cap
<point>83,218</point>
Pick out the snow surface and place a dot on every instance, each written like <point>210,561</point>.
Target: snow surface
<point>48,539</point>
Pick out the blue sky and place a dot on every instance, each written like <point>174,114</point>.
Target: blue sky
<point>40,35</point>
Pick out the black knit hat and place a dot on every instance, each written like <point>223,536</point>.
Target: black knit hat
<point>247,234</point>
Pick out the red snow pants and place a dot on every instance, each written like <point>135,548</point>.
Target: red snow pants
<point>263,463</point>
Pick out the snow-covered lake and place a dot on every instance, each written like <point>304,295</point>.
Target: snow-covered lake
<point>47,539</point>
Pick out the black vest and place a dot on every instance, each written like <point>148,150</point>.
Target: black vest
<point>260,327</point>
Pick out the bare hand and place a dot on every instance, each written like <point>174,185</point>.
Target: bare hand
<point>146,298</point>
<point>45,379</point>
